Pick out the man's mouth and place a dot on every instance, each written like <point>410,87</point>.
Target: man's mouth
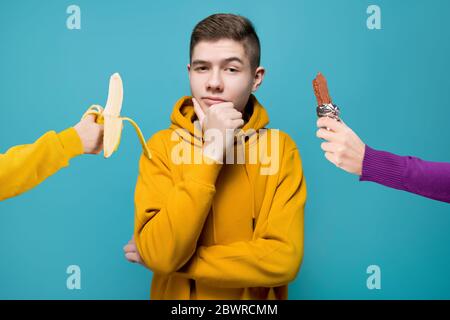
<point>212,100</point>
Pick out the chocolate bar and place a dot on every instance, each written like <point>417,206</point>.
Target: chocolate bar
<point>325,106</point>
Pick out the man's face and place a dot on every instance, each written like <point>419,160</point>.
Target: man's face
<point>220,71</point>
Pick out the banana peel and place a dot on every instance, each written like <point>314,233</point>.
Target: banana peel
<point>112,121</point>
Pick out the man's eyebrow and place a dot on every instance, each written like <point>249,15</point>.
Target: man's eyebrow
<point>227,60</point>
<point>195,62</point>
<point>231,59</point>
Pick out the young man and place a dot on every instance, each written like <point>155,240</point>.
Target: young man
<point>24,167</point>
<point>219,207</point>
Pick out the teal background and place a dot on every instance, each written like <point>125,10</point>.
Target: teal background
<point>391,84</point>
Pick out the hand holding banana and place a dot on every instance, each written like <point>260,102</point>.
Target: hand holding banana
<point>112,121</point>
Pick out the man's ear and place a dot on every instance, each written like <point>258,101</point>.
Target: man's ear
<point>258,79</point>
<point>189,67</point>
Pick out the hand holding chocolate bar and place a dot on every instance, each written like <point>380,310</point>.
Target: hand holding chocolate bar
<point>342,146</point>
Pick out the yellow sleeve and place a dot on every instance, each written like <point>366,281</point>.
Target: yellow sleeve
<point>25,166</point>
<point>169,217</point>
<point>271,260</point>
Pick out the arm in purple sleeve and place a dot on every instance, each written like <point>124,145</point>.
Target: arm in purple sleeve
<point>425,178</point>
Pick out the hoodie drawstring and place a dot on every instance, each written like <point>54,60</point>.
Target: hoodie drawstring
<point>252,192</point>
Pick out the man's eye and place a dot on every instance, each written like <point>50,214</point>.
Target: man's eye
<point>232,70</point>
<point>201,69</point>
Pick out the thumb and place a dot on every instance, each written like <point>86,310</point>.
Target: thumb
<point>90,118</point>
<point>198,111</point>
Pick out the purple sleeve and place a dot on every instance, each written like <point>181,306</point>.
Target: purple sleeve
<point>428,179</point>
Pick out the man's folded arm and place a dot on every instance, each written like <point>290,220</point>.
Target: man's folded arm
<point>169,217</point>
<point>274,258</point>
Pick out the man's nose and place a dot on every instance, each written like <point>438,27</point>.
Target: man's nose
<point>215,82</point>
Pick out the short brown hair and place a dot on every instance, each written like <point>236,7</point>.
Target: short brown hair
<point>228,26</point>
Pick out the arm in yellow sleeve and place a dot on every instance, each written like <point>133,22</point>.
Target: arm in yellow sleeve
<point>24,167</point>
<point>169,217</point>
<point>274,258</point>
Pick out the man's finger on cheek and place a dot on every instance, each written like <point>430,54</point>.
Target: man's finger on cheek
<point>196,104</point>
<point>198,111</point>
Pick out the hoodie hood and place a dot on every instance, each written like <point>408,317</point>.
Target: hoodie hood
<point>183,117</point>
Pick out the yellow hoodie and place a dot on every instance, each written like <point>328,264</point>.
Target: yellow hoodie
<point>220,231</point>
<point>25,166</point>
